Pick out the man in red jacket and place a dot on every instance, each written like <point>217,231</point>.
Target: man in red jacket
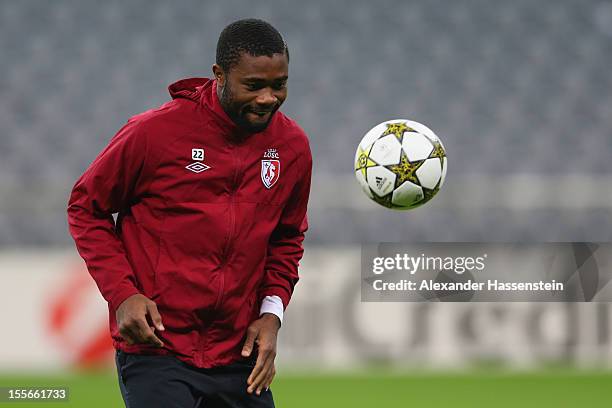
<point>211,192</point>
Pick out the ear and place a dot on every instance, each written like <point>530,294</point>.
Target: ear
<point>219,74</point>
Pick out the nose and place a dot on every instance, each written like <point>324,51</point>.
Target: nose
<point>266,98</point>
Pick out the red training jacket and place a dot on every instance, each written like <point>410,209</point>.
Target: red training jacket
<point>208,224</point>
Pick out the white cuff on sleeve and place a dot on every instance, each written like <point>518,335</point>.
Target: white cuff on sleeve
<point>274,305</point>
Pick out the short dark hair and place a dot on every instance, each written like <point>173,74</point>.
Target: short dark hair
<point>251,35</point>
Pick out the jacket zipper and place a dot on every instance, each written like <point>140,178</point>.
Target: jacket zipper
<point>232,225</point>
<point>228,247</point>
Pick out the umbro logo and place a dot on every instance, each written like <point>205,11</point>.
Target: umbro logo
<point>197,166</point>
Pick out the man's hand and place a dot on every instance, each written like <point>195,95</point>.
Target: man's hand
<point>262,332</point>
<point>137,318</point>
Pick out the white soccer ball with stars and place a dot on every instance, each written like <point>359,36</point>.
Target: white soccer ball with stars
<point>400,164</point>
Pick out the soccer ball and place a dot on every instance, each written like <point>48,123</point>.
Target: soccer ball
<point>400,164</point>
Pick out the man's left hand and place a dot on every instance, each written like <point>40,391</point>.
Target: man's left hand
<point>262,332</point>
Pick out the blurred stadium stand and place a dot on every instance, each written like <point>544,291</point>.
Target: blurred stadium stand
<point>520,92</point>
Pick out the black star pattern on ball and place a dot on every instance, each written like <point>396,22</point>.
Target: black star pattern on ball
<point>438,150</point>
<point>428,194</point>
<point>364,161</point>
<point>397,129</point>
<point>384,201</point>
<point>405,170</point>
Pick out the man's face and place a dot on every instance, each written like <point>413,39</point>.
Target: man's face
<point>253,89</point>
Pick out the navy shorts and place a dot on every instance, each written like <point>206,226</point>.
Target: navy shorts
<point>164,381</point>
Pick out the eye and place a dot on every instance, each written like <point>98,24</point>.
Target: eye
<point>280,86</point>
<point>253,87</point>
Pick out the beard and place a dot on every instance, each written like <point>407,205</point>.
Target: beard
<point>238,112</point>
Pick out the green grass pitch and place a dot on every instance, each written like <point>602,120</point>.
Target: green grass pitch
<point>563,389</point>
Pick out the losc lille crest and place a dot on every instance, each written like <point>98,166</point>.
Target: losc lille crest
<point>270,172</point>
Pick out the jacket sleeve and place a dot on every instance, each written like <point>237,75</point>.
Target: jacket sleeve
<point>112,183</point>
<point>285,246</point>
